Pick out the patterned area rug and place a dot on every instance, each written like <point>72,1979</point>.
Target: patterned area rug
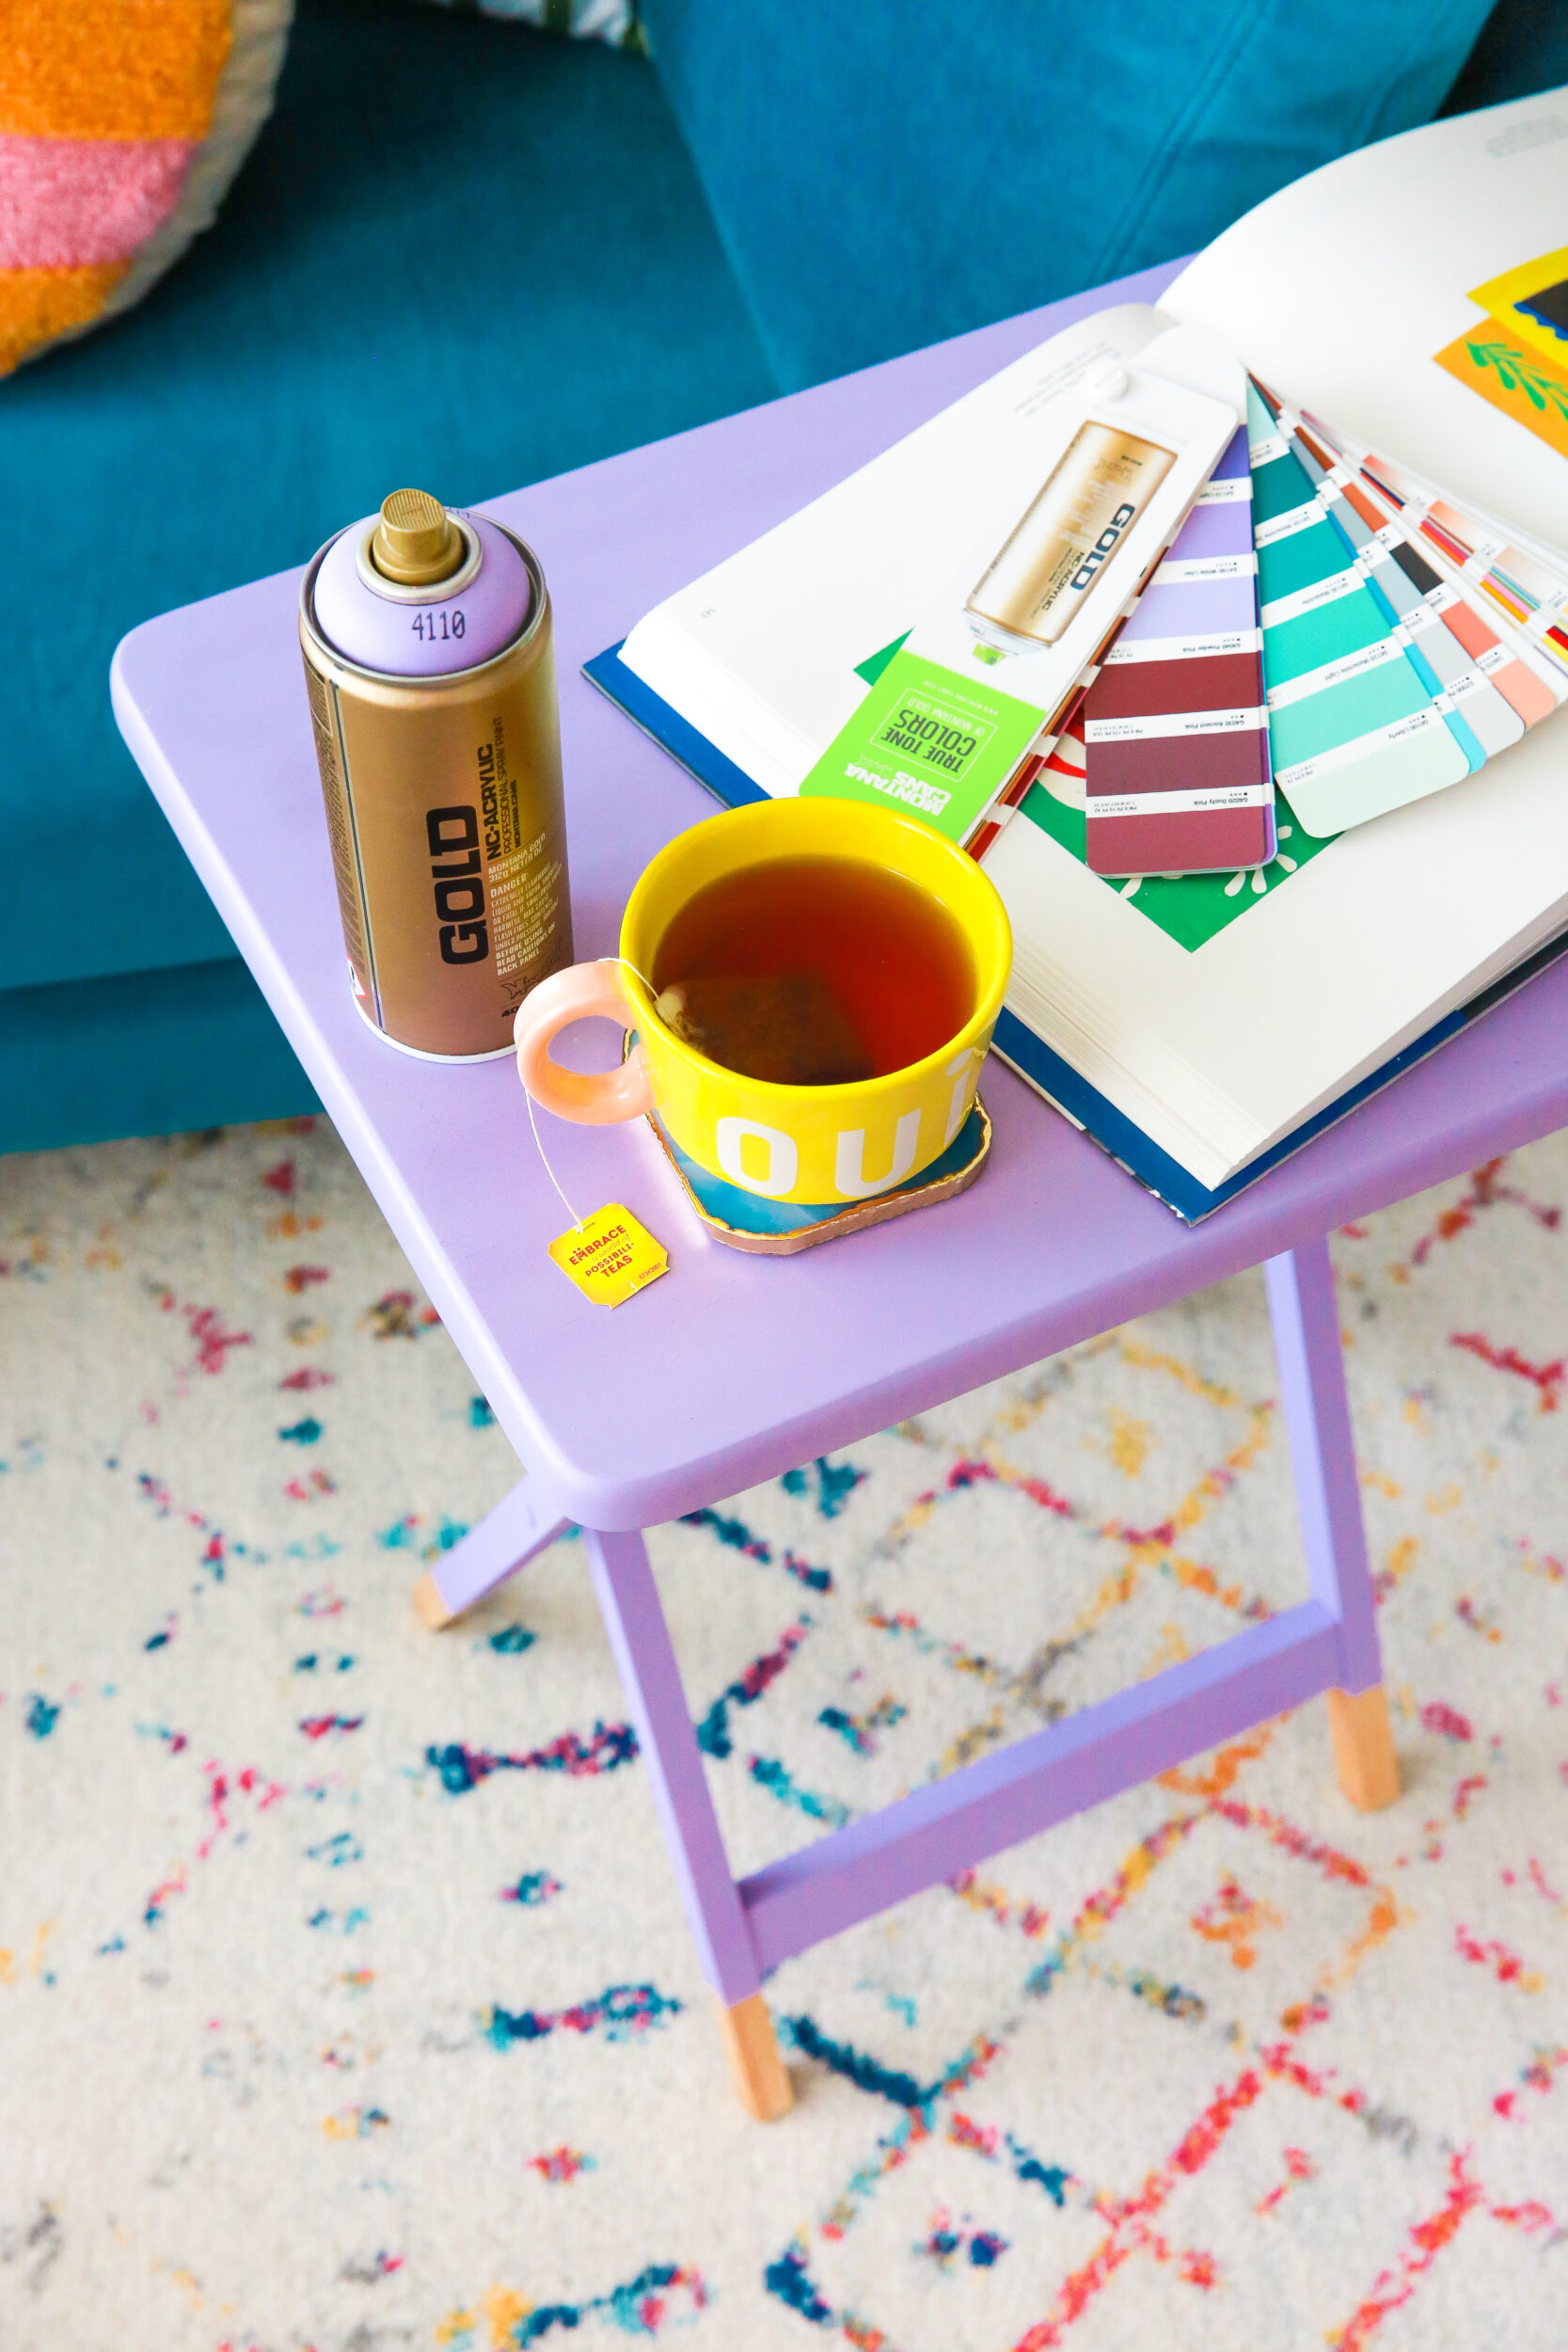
<point>345,1999</point>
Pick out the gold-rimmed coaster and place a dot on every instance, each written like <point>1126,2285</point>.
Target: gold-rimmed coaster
<point>775,1229</point>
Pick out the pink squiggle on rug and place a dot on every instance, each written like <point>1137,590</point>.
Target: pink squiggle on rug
<point>1506,1966</point>
<point>1425,2242</point>
<point>222,1788</point>
<point>221,1785</point>
<point>213,1341</point>
<point>218,1548</point>
<point>1546,1380</point>
<point>561,2164</point>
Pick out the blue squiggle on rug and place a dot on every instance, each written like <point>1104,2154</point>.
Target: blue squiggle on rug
<point>866,2073</point>
<point>1053,2178</point>
<point>620,2012</point>
<point>336,1852</point>
<point>770,1774</point>
<point>610,1746</point>
<point>637,2309</point>
<point>512,1641</point>
<point>790,2280</point>
<point>533,1888</point>
<point>941,2242</point>
<point>41,1715</point>
<point>836,1483</point>
<point>859,1732</point>
<point>738,1536</point>
<point>404,1536</point>
<point>340,1923</point>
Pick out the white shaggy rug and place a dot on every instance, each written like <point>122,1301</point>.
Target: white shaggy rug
<point>345,2003</point>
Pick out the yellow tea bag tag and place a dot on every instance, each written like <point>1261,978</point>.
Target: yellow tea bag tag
<point>611,1257</point>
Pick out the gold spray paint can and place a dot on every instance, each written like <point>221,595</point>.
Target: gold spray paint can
<point>430,676</point>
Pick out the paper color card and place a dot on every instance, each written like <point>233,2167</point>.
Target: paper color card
<point>1521,673</point>
<point>1531,598</point>
<point>1418,602</point>
<point>1527,597</point>
<point>1176,733</point>
<point>1353,728</point>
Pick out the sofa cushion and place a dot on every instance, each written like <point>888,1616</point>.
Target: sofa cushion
<point>462,253</point>
<point>151,1053</point>
<point>883,178</point>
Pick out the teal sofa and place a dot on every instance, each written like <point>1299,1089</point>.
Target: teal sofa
<point>469,256</point>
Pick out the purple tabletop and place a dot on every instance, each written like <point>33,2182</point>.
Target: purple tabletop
<point>731,1368</point>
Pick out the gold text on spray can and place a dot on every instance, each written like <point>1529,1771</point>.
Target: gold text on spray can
<point>1036,583</point>
<point>429,664</point>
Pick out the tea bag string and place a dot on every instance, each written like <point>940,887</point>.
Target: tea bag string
<point>529,1099</point>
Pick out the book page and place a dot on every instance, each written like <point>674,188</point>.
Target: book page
<point>1218,1047</point>
<point>760,653</point>
<point>1342,290</point>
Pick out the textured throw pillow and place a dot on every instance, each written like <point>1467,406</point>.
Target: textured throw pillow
<point>121,124</point>
<point>617,21</point>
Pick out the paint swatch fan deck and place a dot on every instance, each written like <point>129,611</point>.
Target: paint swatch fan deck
<point>1275,785</point>
<point>1177,776</point>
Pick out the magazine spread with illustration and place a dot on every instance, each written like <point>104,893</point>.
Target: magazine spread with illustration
<point>1230,635</point>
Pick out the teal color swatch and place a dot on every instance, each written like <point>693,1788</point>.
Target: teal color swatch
<point>1353,747</point>
<point>1346,625</point>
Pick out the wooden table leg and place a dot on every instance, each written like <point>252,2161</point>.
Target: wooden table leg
<point>752,2046</point>
<point>1364,1747</point>
<point>1305,1314</point>
<point>667,1739</point>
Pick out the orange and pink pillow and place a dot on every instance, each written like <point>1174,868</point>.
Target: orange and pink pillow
<point>121,124</point>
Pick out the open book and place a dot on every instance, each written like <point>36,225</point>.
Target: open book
<point>1217,1017</point>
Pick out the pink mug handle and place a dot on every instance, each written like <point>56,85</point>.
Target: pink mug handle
<point>595,1099</point>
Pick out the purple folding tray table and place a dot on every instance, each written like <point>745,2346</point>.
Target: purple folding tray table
<point>735,1368</point>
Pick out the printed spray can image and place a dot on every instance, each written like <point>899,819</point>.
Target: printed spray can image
<point>1038,581</point>
<point>428,660</point>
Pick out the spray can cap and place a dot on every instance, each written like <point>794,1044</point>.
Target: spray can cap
<point>416,540</point>
<point>452,611</point>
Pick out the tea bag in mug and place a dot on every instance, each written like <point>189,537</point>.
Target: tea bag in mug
<point>787,1028</point>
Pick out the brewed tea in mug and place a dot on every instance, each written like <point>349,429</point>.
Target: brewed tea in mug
<point>814,971</point>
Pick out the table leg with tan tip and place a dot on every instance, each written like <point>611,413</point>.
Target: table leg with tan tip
<point>521,1524</point>
<point>667,1741</point>
<point>1305,1314</point>
<point>757,2068</point>
<point>1364,1757</point>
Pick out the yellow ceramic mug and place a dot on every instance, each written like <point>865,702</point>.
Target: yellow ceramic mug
<point>812,1145</point>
